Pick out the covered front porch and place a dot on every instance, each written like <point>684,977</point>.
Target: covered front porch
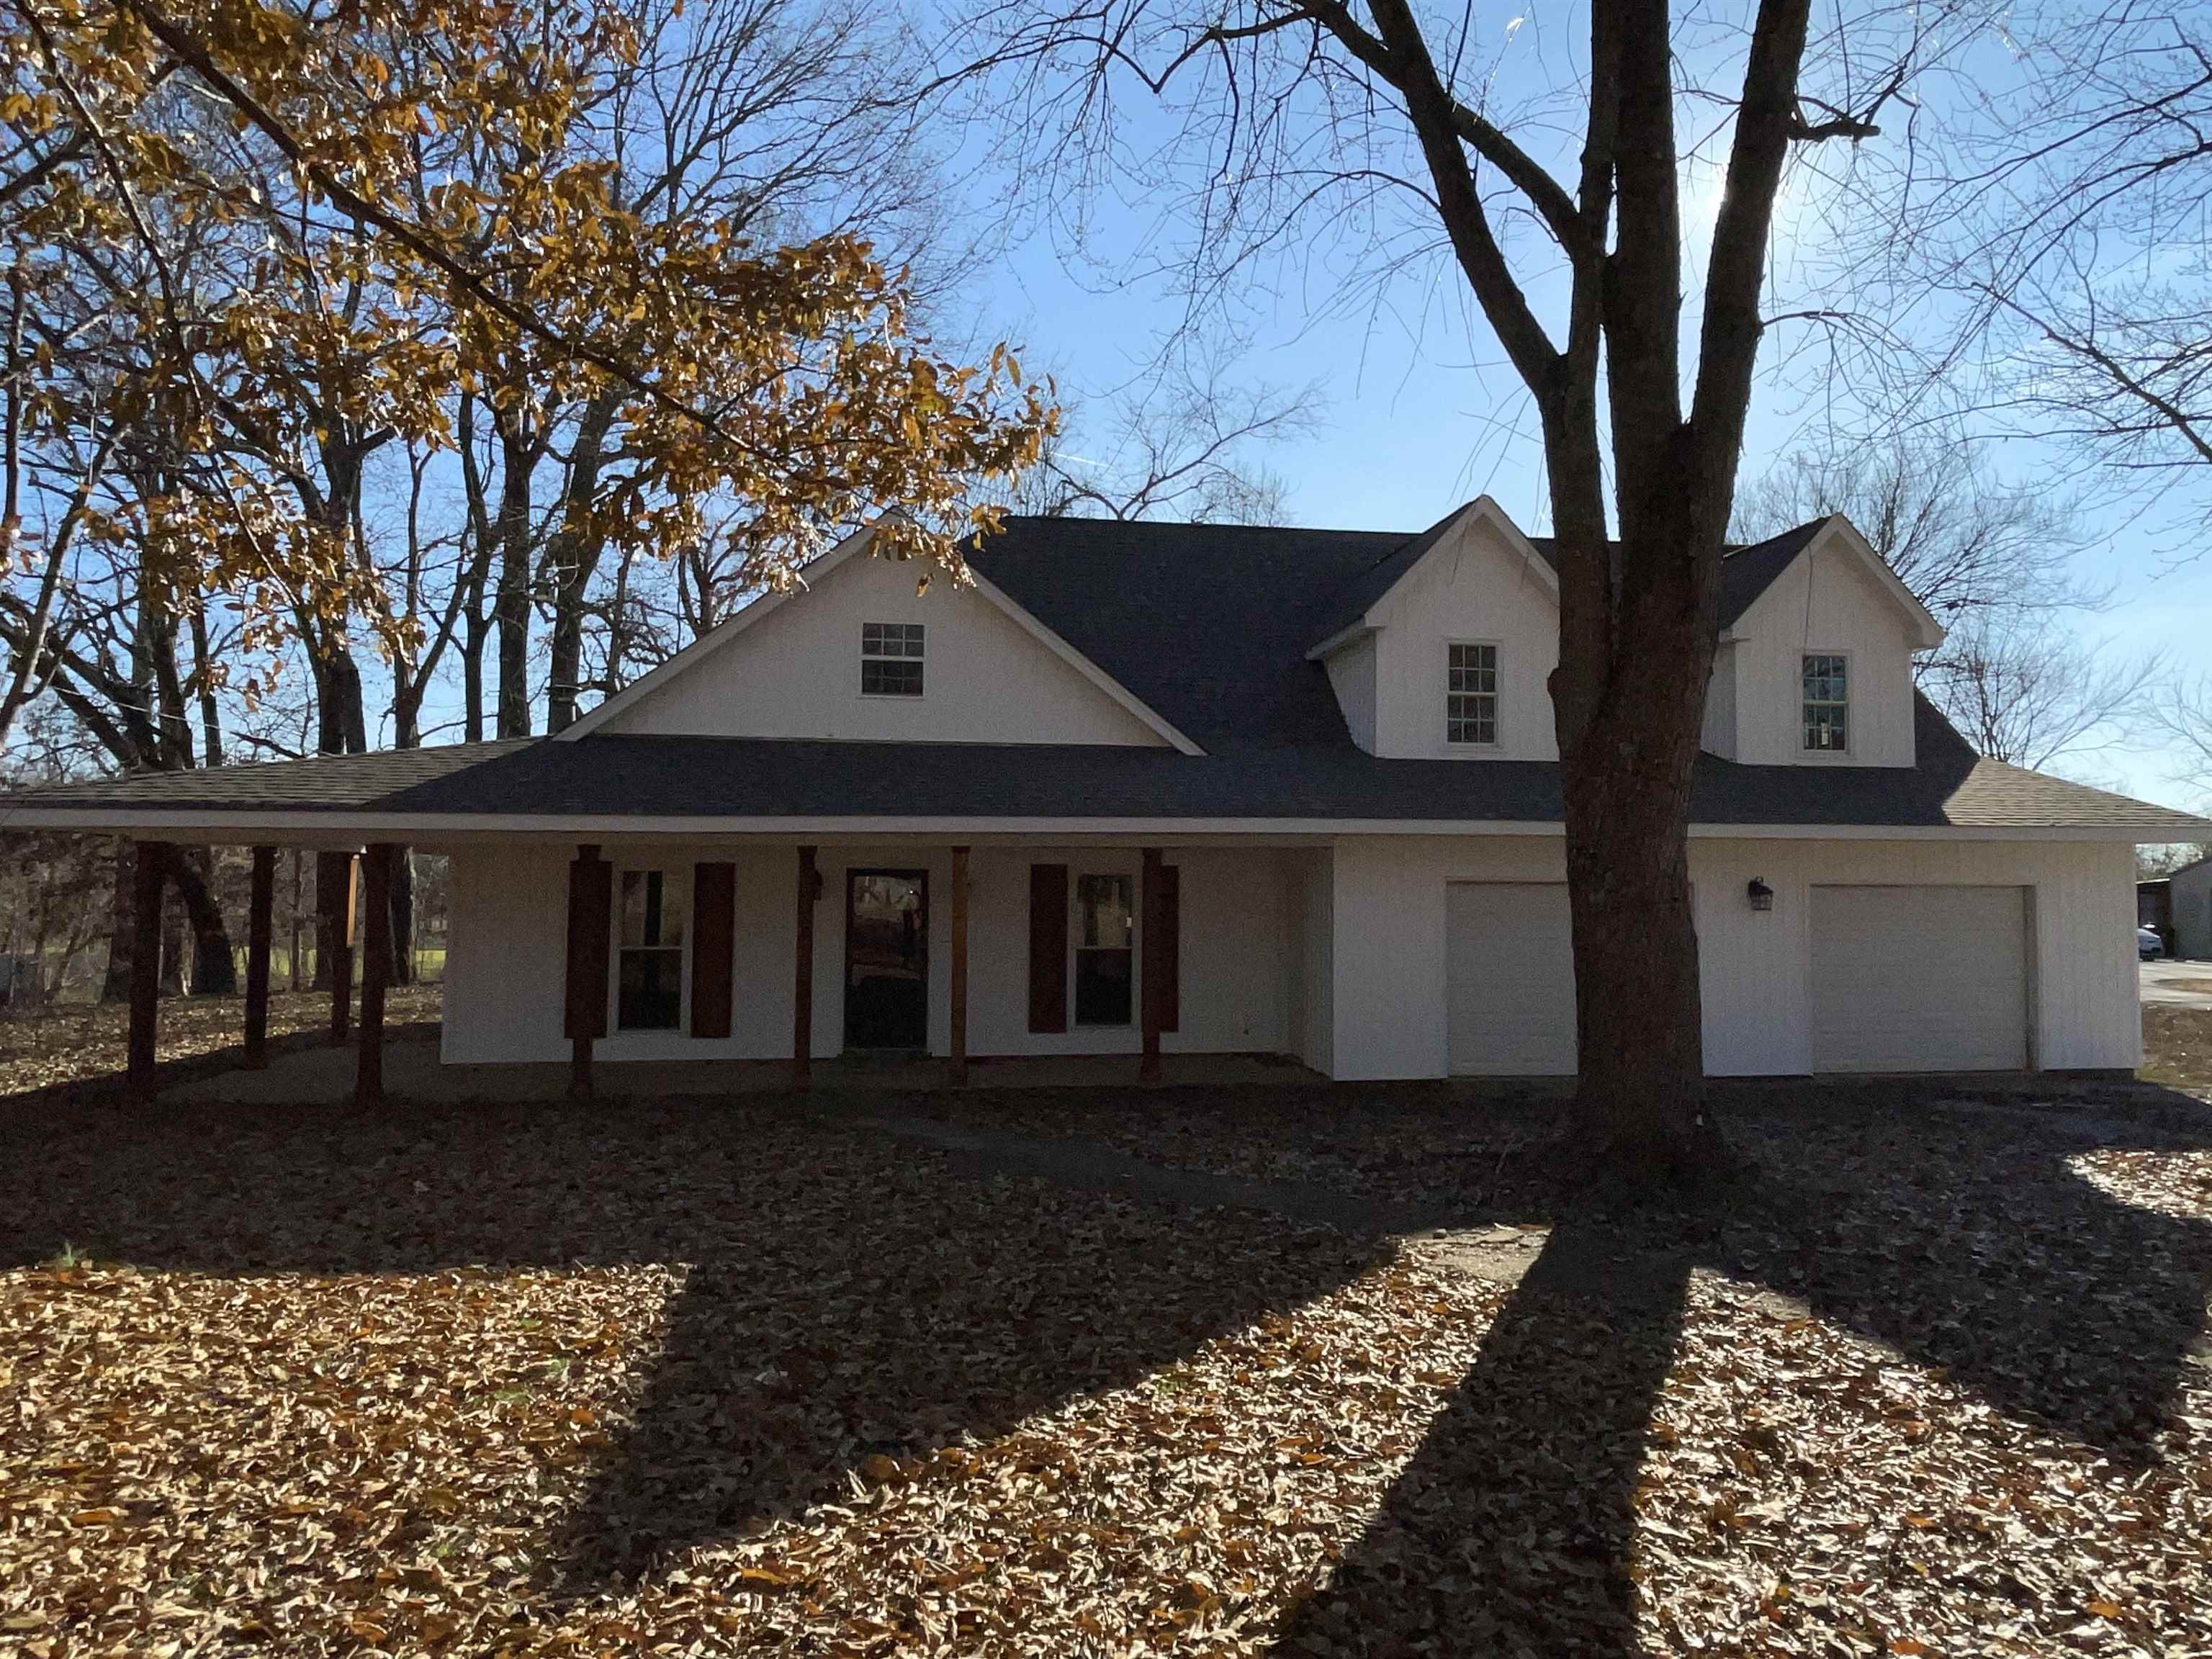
<point>880,951</point>
<point>719,963</point>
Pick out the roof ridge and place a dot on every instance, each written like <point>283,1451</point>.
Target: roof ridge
<point>1207,525</point>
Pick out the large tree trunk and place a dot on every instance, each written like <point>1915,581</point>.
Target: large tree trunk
<point>1639,1099</point>
<point>575,558</point>
<point>511,601</point>
<point>210,714</point>
<point>1629,731</point>
<point>215,969</point>
<point>474,633</point>
<point>403,916</point>
<point>334,879</point>
<point>341,728</point>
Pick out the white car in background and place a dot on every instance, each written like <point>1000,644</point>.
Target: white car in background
<point>2148,943</point>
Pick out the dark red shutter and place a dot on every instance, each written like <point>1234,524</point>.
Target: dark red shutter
<point>1048,947</point>
<point>713,918</point>
<point>1168,960</point>
<point>591,897</point>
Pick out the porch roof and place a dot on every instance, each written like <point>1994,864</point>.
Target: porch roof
<point>754,783</point>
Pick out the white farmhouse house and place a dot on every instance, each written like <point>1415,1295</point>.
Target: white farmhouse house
<point>1196,788</point>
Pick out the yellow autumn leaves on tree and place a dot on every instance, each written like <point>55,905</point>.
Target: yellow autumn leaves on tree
<point>245,234</point>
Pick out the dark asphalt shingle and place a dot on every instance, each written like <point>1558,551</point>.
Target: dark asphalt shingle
<point>1209,625</point>
<point>614,776</point>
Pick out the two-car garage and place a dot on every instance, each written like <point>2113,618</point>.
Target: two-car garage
<point>1922,978</point>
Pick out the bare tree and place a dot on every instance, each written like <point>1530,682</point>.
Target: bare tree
<point>1374,130</point>
<point>2184,716</point>
<point>2069,223</point>
<point>1965,542</point>
<point>2025,691</point>
<point>1180,444</point>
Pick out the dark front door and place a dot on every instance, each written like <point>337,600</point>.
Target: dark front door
<point>887,959</point>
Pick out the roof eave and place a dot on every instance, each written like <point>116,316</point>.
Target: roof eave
<point>1344,636</point>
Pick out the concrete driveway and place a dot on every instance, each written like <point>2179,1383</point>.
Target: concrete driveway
<point>2181,984</point>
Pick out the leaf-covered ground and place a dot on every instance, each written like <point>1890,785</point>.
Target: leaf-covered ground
<point>77,1042</point>
<point>2178,1047</point>
<point>769,1378</point>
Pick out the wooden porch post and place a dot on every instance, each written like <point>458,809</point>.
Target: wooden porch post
<point>335,869</point>
<point>958,1004</point>
<point>591,921</point>
<point>145,966</point>
<point>375,973</point>
<point>1154,935</point>
<point>259,914</point>
<point>802,984</point>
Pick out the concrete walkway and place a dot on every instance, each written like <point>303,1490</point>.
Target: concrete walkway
<point>412,1071</point>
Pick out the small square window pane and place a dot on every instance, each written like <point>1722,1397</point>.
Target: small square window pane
<point>889,676</point>
<point>1102,994</point>
<point>1106,911</point>
<point>652,910</point>
<point>649,996</point>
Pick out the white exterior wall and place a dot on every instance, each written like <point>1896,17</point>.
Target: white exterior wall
<point>1351,671</point>
<point>1389,1017</point>
<point>1718,735</point>
<point>1472,588</point>
<point>1241,936</point>
<point>1827,601</point>
<point>1336,956</point>
<point>796,673</point>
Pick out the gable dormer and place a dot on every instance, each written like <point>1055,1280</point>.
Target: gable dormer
<point>1815,666</point>
<point>861,650</point>
<point>1444,650</point>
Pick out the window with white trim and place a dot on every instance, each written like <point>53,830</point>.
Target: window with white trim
<point>891,660</point>
<point>649,961</point>
<point>1827,703</point>
<point>1471,694</point>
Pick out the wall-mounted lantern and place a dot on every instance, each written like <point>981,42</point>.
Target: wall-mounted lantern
<point>1760,894</point>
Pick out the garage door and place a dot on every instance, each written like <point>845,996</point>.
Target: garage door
<point>1919,979</point>
<point>1508,979</point>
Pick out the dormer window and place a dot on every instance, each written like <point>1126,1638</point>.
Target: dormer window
<point>1827,704</point>
<point>1471,694</point>
<point>891,660</point>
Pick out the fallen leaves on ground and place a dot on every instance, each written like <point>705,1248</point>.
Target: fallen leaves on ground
<point>749,1376</point>
<point>77,1041</point>
<point>2178,1047</point>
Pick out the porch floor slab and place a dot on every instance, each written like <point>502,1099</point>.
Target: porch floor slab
<point>412,1071</point>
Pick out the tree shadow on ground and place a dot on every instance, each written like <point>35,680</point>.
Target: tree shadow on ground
<point>844,1298</point>
<point>1966,1240</point>
<point>1459,1559</point>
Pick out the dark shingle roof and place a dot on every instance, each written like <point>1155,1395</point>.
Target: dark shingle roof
<point>1361,594</point>
<point>1207,625</point>
<point>1746,573</point>
<point>1750,570</point>
<point>614,776</point>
